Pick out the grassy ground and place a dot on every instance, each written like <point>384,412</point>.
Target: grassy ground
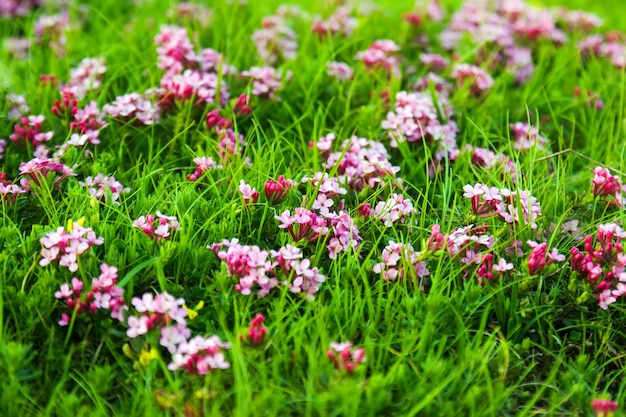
<point>524,344</point>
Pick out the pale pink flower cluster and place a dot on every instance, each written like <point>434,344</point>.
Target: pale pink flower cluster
<point>381,55</point>
<point>259,268</point>
<point>104,188</point>
<point>400,260</point>
<point>490,201</point>
<point>36,170</point>
<point>204,164</point>
<point>8,190</point>
<point>606,184</point>
<point>3,145</point>
<point>597,45</point>
<point>360,162</point>
<point>303,224</point>
<point>156,312</point>
<point>200,355</point>
<point>339,70</point>
<point>578,20</point>
<point>475,77</point>
<point>87,124</point>
<point>188,76</point>
<point>52,29</point>
<point>341,22</point>
<point>501,23</point>
<point>344,357</point>
<point>105,294</point>
<point>190,85</point>
<point>265,81</point>
<point>434,61</point>
<point>275,40</point>
<point>133,106</point>
<point>167,314</point>
<point>157,228</point>
<point>12,8</point>
<point>327,189</point>
<point>394,210</point>
<point>415,119</point>
<point>345,234</point>
<point>18,107</point>
<point>602,263</point>
<point>65,246</point>
<point>527,136</point>
<point>86,77</point>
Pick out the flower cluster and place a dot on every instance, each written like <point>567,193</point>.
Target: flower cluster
<point>360,162</point>
<point>344,357</point>
<point>29,131</point>
<point>490,201</point>
<point>65,246</point>
<point>12,8</point>
<point>39,169</point>
<point>52,29</point>
<point>275,40</point>
<point>527,136</point>
<point>86,77</point>
<point>277,190</point>
<point>256,267</point>
<point>256,333</point>
<point>605,47</point>
<point>602,263</point>
<point>105,294</point>
<point>18,107</point>
<point>339,70</point>
<point>188,76</point>
<point>605,184</point>
<point>475,77</point>
<point>9,191</point>
<point>604,407</point>
<point>394,210</point>
<point>203,165</point>
<point>265,81</point>
<point>340,22</point>
<point>162,222</point>
<point>487,270</point>
<point>539,257</point>
<point>415,119</point>
<point>157,228</point>
<point>200,355</point>
<point>400,260</point>
<point>250,195</point>
<point>303,224</point>
<point>381,55</point>
<point>133,107</point>
<point>101,187</point>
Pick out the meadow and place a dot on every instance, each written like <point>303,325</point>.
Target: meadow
<point>338,208</point>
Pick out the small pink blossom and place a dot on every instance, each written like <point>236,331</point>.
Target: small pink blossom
<point>344,357</point>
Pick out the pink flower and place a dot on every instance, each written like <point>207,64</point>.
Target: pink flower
<point>478,79</point>
<point>249,194</point>
<point>339,70</point>
<point>381,55</point>
<point>256,331</point>
<point>344,357</point>
<point>265,81</point>
<point>603,407</point>
<point>277,190</point>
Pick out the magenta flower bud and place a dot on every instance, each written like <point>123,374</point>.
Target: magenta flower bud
<point>603,407</point>
<point>365,210</point>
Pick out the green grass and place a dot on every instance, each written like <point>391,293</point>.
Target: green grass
<point>523,345</point>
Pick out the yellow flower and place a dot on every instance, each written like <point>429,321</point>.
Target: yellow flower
<point>146,356</point>
<point>193,313</point>
<point>70,223</point>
